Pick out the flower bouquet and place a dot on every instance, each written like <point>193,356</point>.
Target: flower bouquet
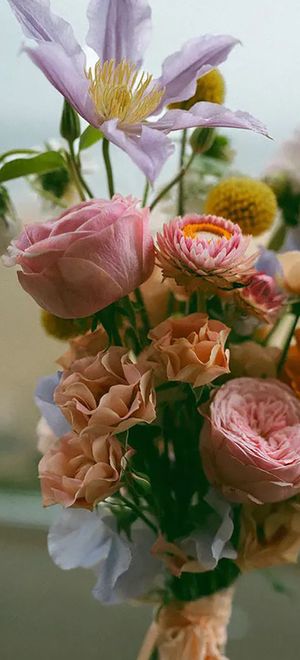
<point>171,432</point>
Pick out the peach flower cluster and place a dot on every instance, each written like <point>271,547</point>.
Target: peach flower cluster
<point>205,250</point>
<point>106,394</point>
<point>250,442</point>
<point>190,349</point>
<point>100,395</point>
<point>270,535</point>
<point>81,473</point>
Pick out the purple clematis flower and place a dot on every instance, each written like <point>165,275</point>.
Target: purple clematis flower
<point>115,95</point>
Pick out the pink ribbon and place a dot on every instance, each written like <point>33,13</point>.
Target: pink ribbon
<point>191,631</point>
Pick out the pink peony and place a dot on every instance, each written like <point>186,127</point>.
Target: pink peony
<point>204,249</point>
<point>262,298</point>
<point>250,442</point>
<point>79,473</point>
<point>89,257</point>
<point>106,393</point>
<point>190,349</point>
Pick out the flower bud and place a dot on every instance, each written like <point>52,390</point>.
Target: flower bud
<point>10,225</point>
<point>202,139</point>
<point>70,124</point>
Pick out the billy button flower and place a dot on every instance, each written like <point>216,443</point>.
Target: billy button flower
<point>247,202</point>
<point>210,87</point>
<point>64,328</point>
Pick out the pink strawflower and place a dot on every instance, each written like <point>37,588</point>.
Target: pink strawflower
<point>106,394</point>
<point>204,250</point>
<point>90,256</point>
<point>190,349</point>
<point>250,442</point>
<point>262,298</point>
<point>80,473</point>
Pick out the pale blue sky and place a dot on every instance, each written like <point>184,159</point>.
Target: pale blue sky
<point>262,76</point>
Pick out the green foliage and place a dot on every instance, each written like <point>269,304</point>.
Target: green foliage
<point>55,182</point>
<point>191,586</point>
<point>45,162</point>
<point>89,137</point>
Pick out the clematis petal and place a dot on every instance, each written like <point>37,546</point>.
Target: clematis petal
<point>119,29</point>
<point>181,70</point>
<point>39,23</point>
<point>208,115</point>
<point>65,76</point>
<point>149,149</point>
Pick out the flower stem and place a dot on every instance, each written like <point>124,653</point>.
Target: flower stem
<point>73,167</point>
<point>287,343</point>
<point>139,512</point>
<point>180,202</point>
<point>142,309</point>
<point>146,193</point>
<point>173,182</point>
<point>108,167</point>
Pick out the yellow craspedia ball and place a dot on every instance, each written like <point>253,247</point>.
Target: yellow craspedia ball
<point>249,203</point>
<point>61,328</point>
<point>210,87</point>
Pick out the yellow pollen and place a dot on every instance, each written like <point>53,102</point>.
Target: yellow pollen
<point>122,91</point>
<point>193,229</point>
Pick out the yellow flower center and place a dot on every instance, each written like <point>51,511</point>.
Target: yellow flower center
<point>206,229</point>
<point>122,91</point>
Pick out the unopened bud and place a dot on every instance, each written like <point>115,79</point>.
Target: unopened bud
<point>202,139</point>
<point>70,123</point>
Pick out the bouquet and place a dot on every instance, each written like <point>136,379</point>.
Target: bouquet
<point>170,433</point>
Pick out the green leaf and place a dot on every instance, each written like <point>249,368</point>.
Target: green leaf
<point>15,152</point>
<point>89,137</point>
<point>46,162</point>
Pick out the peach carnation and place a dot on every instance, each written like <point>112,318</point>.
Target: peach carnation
<point>204,250</point>
<point>250,441</point>
<point>80,473</point>
<point>85,345</point>
<point>106,393</point>
<point>190,349</point>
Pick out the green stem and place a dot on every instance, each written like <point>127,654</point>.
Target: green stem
<point>180,203</point>
<point>142,309</point>
<point>287,343</point>
<point>84,184</point>
<point>108,167</point>
<point>146,193</point>
<point>73,167</point>
<point>131,505</point>
<point>172,183</point>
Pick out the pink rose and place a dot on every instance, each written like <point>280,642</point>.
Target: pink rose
<point>250,443</point>
<point>78,473</point>
<point>106,393</point>
<point>92,255</point>
<point>190,349</point>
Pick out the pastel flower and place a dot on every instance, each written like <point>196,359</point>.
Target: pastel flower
<point>250,441</point>
<point>251,359</point>
<point>106,394</point>
<point>46,438</point>
<point>206,251</point>
<point>269,263</point>
<point>85,345</point>
<point>124,569</point>
<point>190,349</point>
<point>89,257</point>
<point>290,263</point>
<point>203,549</point>
<point>262,298</point>
<point>76,472</point>
<point>270,535</point>
<point>291,370</point>
<point>115,95</point>
<point>44,400</point>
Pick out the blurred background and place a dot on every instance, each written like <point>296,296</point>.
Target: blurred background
<point>44,611</point>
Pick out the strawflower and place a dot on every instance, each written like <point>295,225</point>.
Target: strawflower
<point>205,251</point>
<point>262,298</point>
<point>115,95</point>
